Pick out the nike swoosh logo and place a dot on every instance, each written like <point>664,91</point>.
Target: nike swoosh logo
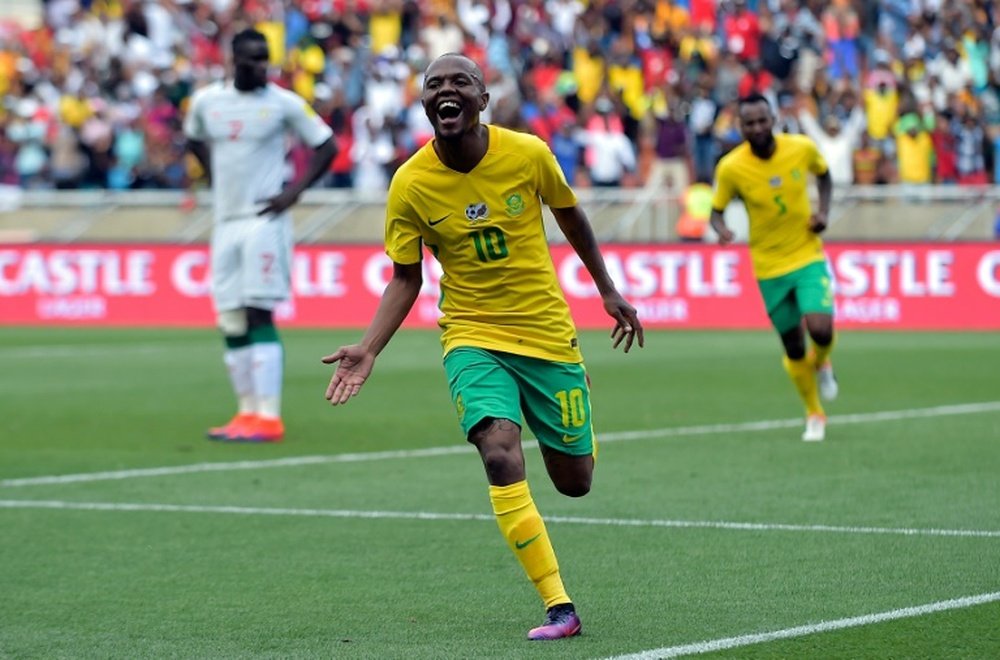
<point>570,438</point>
<point>439,220</point>
<point>521,545</point>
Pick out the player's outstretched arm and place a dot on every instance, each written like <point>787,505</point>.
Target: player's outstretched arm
<point>575,226</point>
<point>355,362</point>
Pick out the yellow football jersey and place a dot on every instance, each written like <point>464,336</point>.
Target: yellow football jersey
<point>775,192</point>
<point>499,289</point>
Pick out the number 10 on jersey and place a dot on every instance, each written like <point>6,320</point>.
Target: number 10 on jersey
<point>490,243</point>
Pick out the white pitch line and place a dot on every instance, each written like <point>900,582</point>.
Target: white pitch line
<point>622,436</point>
<point>74,351</point>
<point>810,629</point>
<point>430,515</point>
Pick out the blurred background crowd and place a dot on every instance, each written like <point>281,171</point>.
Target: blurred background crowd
<point>634,93</point>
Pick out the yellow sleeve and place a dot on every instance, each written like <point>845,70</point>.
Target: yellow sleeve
<point>402,228</point>
<point>725,188</point>
<point>817,164</point>
<point>552,186</point>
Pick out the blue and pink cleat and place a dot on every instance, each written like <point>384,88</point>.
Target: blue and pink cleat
<point>560,621</point>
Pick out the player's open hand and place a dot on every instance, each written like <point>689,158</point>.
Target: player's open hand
<point>817,223</point>
<point>627,328</point>
<point>279,203</point>
<point>355,366</point>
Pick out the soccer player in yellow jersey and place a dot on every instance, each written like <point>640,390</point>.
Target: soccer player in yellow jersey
<point>769,173</point>
<point>474,197</point>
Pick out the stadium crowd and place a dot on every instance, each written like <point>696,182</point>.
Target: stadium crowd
<point>626,92</point>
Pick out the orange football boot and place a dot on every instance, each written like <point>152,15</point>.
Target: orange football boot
<point>234,429</point>
<point>264,429</point>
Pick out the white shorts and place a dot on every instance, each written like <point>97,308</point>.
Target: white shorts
<point>251,263</point>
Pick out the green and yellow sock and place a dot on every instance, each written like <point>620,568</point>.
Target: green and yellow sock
<point>803,375</point>
<point>522,526</point>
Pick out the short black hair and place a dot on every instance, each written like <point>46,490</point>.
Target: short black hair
<point>246,36</point>
<point>476,73</point>
<point>753,97</point>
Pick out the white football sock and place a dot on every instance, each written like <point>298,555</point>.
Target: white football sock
<point>268,363</point>
<point>239,362</point>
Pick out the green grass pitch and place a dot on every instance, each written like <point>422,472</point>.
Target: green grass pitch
<point>368,534</point>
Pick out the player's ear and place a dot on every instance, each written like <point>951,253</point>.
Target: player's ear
<point>484,100</point>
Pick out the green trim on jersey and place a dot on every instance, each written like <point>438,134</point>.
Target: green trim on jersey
<point>499,287</point>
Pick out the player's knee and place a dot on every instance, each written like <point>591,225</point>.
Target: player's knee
<point>575,487</point>
<point>499,461</point>
<point>822,336</point>
<point>233,322</point>
<point>258,317</point>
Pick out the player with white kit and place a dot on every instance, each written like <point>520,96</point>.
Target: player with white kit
<point>238,130</point>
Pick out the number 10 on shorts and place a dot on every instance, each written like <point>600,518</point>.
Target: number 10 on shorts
<point>573,411</point>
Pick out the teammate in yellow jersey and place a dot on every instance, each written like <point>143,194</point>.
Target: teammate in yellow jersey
<point>474,197</point>
<point>769,173</point>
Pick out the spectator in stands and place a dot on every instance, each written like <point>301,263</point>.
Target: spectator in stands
<point>741,31</point>
<point>915,151</point>
<point>755,80</point>
<point>971,151</point>
<point>609,155</point>
<point>701,121</point>
<point>868,161</point>
<point>778,50</point>
<point>836,143</point>
<point>841,26</point>
<point>8,159</point>
<point>945,147</point>
<point>147,57</point>
<point>881,100</point>
<point>951,69</point>
<point>671,167</point>
<point>566,148</point>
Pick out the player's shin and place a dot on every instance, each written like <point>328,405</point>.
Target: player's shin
<point>239,362</point>
<point>522,526</point>
<point>803,375</point>
<point>821,354</point>
<point>268,365</point>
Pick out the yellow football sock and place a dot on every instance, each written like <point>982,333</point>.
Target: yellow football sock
<point>522,526</point>
<point>803,375</point>
<point>822,353</point>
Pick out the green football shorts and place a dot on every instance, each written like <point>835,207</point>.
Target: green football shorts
<point>552,397</point>
<point>805,290</point>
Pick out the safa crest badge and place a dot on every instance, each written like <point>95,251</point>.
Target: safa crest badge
<point>514,204</point>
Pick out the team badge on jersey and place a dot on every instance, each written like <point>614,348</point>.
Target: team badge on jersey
<point>515,205</point>
<point>775,181</point>
<point>477,212</point>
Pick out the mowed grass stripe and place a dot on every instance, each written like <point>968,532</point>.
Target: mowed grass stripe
<point>811,629</point>
<point>436,516</point>
<point>620,436</point>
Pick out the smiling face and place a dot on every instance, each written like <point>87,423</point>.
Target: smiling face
<point>454,95</point>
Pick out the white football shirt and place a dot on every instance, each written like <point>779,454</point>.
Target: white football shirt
<point>246,134</point>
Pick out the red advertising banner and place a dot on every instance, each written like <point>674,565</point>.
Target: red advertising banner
<point>891,286</point>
